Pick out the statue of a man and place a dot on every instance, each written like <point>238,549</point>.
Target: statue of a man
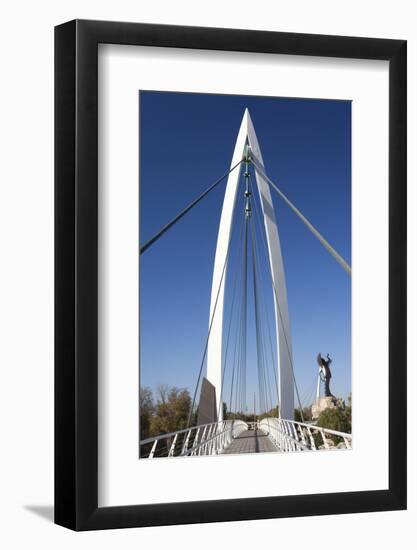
<point>325,373</point>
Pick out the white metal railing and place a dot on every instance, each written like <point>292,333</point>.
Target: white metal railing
<point>289,435</point>
<point>206,439</point>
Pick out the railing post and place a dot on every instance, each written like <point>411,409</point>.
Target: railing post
<point>312,442</point>
<point>303,438</point>
<point>217,441</point>
<point>288,440</point>
<point>185,445</point>
<point>172,447</point>
<point>210,440</point>
<point>295,434</point>
<point>326,445</point>
<point>153,449</point>
<point>195,442</point>
<point>203,438</point>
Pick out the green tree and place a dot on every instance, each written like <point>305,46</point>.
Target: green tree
<point>335,419</point>
<point>239,416</point>
<point>146,410</point>
<point>274,412</point>
<point>306,414</point>
<point>171,410</point>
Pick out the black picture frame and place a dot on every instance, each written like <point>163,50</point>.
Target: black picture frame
<point>76,271</point>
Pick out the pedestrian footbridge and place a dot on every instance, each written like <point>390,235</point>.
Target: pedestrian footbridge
<point>237,437</point>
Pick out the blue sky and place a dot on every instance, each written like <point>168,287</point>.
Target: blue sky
<point>186,143</point>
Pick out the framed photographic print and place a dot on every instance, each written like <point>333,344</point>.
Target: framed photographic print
<point>230,275</point>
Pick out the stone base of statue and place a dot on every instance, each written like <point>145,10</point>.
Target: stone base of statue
<point>325,403</point>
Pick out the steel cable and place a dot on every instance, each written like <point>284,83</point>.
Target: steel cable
<point>185,210</point>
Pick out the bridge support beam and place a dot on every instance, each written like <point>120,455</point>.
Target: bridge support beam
<point>215,346</point>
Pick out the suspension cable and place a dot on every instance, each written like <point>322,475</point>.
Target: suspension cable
<point>262,307</point>
<point>310,226</point>
<point>284,333</point>
<point>209,331</point>
<point>261,381</point>
<point>165,228</point>
<point>235,353</point>
<point>237,280</point>
<point>240,342</point>
<point>274,361</point>
<point>261,302</point>
<point>245,317</point>
<point>234,356</point>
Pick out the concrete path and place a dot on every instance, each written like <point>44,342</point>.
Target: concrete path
<point>251,441</point>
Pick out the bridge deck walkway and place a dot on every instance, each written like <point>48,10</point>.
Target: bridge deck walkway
<point>251,441</point>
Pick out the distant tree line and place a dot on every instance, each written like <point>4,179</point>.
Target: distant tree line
<point>167,412</point>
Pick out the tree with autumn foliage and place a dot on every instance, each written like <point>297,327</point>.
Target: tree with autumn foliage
<point>165,414</point>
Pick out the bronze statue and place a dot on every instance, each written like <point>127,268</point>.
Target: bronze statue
<point>325,373</point>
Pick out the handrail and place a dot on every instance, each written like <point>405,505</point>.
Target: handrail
<point>204,439</point>
<point>171,434</point>
<point>290,435</point>
<point>326,430</point>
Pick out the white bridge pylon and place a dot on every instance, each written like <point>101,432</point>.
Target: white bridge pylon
<point>246,136</point>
